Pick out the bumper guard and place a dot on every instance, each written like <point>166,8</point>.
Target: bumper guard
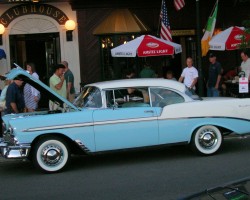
<point>14,152</point>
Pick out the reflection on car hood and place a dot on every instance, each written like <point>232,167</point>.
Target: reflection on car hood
<point>36,83</point>
<point>8,117</point>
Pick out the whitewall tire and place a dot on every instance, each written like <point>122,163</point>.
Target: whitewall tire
<point>51,154</point>
<point>207,140</point>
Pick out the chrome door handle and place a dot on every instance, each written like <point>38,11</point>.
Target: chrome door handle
<point>149,111</point>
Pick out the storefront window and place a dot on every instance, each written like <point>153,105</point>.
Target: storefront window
<point>115,68</point>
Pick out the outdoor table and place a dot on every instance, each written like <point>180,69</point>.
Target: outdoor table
<point>233,89</point>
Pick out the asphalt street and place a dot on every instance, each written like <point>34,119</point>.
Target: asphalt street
<point>168,173</point>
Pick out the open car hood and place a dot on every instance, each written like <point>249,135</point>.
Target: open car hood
<point>36,83</point>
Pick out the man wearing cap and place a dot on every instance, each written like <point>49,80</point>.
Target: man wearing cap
<point>214,76</point>
<point>58,83</point>
<point>14,97</point>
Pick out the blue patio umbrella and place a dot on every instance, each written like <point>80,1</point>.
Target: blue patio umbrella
<point>2,54</point>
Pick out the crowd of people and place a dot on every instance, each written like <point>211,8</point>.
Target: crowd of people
<point>216,76</point>
<point>17,97</point>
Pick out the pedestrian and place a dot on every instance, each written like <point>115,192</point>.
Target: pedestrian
<point>58,84</point>
<point>31,95</point>
<point>3,103</point>
<point>69,77</point>
<point>214,76</point>
<point>229,75</point>
<point>189,75</point>
<point>14,97</point>
<point>130,74</point>
<point>170,75</point>
<point>3,95</point>
<point>245,65</point>
<point>147,72</point>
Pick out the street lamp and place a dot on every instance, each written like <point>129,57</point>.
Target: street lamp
<point>70,25</point>
<point>2,29</point>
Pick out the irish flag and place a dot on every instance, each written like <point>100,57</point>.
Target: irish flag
<point>209,30</point>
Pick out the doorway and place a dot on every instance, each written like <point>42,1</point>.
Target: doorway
<point>41,49</point>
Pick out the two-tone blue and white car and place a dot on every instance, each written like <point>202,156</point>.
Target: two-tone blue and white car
<point>118,115</point>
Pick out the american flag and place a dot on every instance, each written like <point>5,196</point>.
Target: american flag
<point>179,4</point>
<point>165,26</point>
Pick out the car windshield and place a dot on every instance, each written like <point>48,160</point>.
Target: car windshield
<point>191,93</point>
<point>90,97</point>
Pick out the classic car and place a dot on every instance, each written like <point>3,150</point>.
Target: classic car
<point>118,115</point>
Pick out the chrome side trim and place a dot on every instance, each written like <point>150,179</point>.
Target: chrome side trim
<point>198,117</point>
<point>126,120</point>
<point>59,127</point>
<point>82,146</point>
<point>91,124</point>
<point>236,136</point>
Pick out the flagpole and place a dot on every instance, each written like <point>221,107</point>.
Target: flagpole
<point>159,24</point>
<point>216,3</point>
<point>198,38</point>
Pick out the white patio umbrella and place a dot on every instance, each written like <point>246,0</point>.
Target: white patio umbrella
<point>229,39</point>
<point>146,45</point>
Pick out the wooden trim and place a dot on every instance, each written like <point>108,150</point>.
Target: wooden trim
<point>183,32</point>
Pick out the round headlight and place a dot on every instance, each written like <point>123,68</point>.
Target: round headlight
<point>11,131</point>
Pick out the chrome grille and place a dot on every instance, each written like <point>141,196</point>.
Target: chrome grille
<point>9,139</point>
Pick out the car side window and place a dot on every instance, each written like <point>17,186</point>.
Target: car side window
<point>90,97</point>
<point>128,97</point>
<point>161,97</point>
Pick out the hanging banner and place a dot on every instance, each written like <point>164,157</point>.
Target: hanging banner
<point>243,85</point>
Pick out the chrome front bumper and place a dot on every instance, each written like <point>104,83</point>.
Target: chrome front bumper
<point>14,152</point>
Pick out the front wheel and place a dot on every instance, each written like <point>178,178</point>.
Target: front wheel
<point>207,140</point>
<point>51,154</point>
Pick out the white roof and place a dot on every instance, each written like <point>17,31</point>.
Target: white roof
<point>140,82</point>
<point>218,42</point>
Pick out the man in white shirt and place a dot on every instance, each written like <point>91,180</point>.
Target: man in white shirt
<point>245,65</point>
<point>189,74</point>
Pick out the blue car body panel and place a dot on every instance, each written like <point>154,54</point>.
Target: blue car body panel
<point>125,128</point>
<point>81,128</point>
<point>181,130</point>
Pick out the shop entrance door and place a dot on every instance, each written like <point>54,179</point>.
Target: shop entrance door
<point>41,49</point>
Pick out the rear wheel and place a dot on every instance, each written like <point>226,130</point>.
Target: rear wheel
<point>51,154</point>
<point>207,140</point>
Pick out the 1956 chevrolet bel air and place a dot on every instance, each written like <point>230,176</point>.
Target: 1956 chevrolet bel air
<point>117,115</point>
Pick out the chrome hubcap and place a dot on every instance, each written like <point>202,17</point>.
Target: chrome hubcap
<point>208,139</point>
<point>52,155</point>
